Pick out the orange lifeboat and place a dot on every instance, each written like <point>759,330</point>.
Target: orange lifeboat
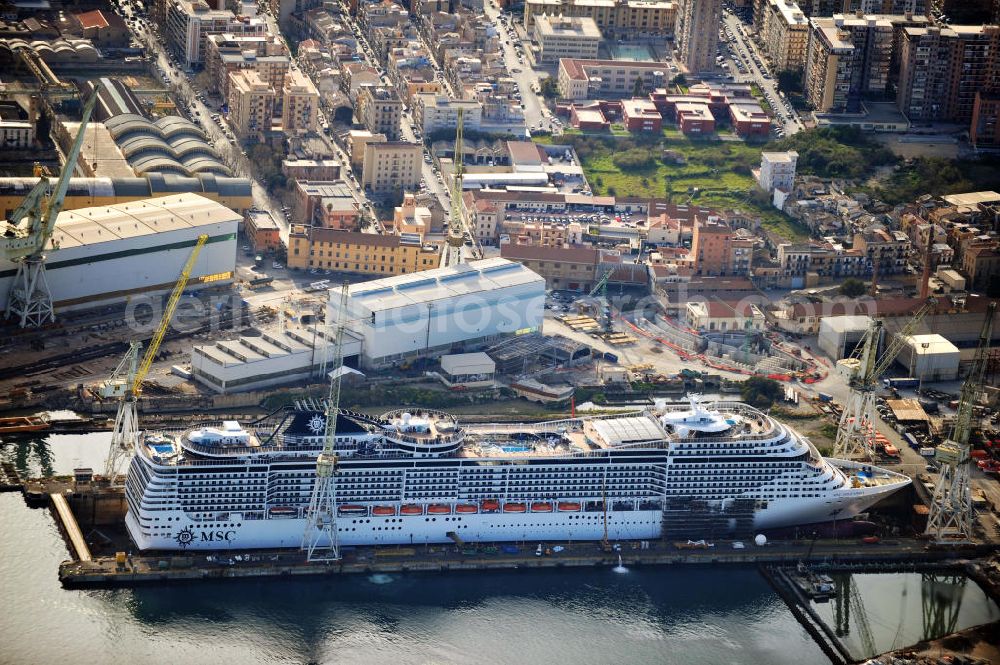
<point>411,509</point>
<point>569,507</point>
<point>466,508</point>
<point>541,507</point>
<point>491,505</point>
<point>511,507</point>
<point>438,509</point>
<point>383,511</point>
<point>352,509</point>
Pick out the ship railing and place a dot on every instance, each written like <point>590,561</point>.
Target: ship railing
<point>429,440</point>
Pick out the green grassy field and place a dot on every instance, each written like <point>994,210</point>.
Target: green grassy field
<point>715,173</point>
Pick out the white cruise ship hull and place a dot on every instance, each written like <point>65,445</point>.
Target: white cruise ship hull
<point>483,527</point>
<point>190,495</point>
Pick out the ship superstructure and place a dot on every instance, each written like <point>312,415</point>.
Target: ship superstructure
<point>419,476</point>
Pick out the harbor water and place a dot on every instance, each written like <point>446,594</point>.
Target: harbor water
<point>643,615</point>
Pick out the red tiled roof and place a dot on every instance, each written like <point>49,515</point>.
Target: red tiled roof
<point>543,253</point>
<point>92,19</point>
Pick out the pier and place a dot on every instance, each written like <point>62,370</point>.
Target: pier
<point>172,567</point>
<point>67,521</point>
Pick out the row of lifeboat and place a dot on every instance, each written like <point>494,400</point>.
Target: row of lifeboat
<point>488,506</point>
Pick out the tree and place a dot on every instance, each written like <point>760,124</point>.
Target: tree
<point>760,391</point>
<point>790,81</point>
<point>549,88</point>
<point>853,288</point>
<point>634,159</point>
<point>637,88</point>
<point>680,79</point>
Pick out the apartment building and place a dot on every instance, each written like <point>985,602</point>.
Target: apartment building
<point>190,22</point>
<point>356,252</point>
<point>640,115</point>
<point>716,252</point>
<point>598,79</point>
<point>784,34</point>
<point>777,170</point>
<point>610,16</point>
<point>433,112</point>
<point>981,266</point>
<point>411,218</point>
<point>572,268</point>
<point>853,56</point>
<point>943,69</point>
<point>251,104</point>
<point>985,127</point>
<point>566,37</point>
<point>226,53</point>
<point>357,139</point>
<point>697,33</point>
<point>300,104</point>
<point>888,250</point>
<point>380,110</point>
<point>392,167</point>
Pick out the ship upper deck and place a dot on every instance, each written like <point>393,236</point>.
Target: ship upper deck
<point>429,433</point>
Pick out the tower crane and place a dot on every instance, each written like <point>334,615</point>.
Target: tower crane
<point>856,434</point>
<point>320,540</point>
<point>457,228</point>
<point>24,236</point>
<point>951,507</point>
<point>126,381</point>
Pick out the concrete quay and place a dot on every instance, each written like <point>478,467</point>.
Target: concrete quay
<point>170,567</point>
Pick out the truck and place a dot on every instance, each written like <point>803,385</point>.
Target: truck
<point>911,440</point>
<point>824,397</point>
<point>926,451</point>
<point>901,382</point>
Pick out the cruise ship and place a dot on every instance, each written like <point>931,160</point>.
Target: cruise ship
<point>411,477</point>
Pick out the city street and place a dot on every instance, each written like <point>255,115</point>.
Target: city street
<point>520,69</point>
<point>753,61</point>
<point>201,114</point>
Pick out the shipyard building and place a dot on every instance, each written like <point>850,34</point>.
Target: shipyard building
<point>107,254</point>
<point>442,311</point>
<point>389,322</point>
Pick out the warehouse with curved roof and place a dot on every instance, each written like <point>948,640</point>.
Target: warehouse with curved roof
<point>171,144</point>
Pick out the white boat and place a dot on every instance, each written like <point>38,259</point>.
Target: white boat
<point>641,474</point>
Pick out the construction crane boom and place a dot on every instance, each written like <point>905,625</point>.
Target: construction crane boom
<point>320,540</point>
<point>34,220</point>
<point>168,315</point>
<point>950,515</point>
<point>24,236</point>
<point>125,382</point>
<point>856,434</point>
<point>974,382</point>
<point>458,231</point>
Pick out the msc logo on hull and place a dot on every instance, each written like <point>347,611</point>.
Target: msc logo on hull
<point>188,536</point>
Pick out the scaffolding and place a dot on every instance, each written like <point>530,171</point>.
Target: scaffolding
<point>534,352</point>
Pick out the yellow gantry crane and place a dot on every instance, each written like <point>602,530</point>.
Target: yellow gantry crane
<point>125,383</point>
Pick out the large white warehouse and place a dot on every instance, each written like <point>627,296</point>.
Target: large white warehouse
<point>440,311</point>
<point>930,357</point>
<point>109,253</point>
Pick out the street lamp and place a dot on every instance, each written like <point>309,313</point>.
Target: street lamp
<point>923,367</point>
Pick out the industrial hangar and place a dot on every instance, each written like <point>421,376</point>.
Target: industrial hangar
<point>104,254</point>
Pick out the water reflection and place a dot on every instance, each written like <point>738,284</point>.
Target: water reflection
<point>31,457</point>
<point>873,613</point>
